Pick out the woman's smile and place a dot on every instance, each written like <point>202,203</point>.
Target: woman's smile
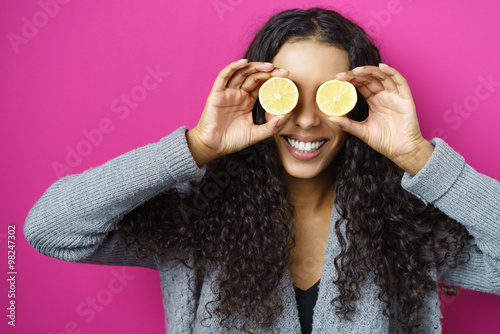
<point>305,149</point>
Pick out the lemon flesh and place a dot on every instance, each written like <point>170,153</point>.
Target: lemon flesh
<point>336,98</point>
<point>278,96</point>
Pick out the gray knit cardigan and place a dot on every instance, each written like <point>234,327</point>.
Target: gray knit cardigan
<point>73,221</point>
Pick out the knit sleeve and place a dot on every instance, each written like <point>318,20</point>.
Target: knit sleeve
<point>473,200</point>
<point>74,218</point>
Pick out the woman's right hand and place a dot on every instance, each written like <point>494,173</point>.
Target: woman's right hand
<point>226,125</point>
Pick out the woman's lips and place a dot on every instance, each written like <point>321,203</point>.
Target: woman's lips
<point>301,155</point>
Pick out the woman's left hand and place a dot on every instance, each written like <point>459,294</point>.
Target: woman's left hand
<point>391,127</point>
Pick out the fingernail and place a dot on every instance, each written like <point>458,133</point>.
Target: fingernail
<point>358,69</point>
<point>242,60</point>
<point>280,121</point>
<point>334,120</point>
<point>283,70</point>
<point>383,65</point>
<point>340,74</point>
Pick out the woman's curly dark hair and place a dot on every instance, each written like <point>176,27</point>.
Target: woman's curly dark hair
<point>239,218</point>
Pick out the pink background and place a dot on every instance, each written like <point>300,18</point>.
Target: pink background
<point>69,77</point>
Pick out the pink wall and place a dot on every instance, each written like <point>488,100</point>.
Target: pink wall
<point>67,76</point>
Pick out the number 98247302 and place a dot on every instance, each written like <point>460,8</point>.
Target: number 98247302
<point>11,245</point>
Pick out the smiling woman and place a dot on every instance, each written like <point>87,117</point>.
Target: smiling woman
<point>339,205</point>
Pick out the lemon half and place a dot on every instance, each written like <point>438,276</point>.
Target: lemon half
<point>336,98</point>
<point>278,96</point>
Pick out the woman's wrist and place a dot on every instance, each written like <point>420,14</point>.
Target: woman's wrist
<point>416,159</point>
<point>201,154</point>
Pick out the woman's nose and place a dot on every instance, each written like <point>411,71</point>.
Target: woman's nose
<point>306,114</point>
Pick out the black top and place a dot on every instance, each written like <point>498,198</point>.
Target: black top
<point>305,302</point>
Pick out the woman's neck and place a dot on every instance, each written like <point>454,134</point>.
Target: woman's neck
<point>310,195</point>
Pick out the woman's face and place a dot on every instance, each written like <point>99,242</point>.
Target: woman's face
<point>310,64</point>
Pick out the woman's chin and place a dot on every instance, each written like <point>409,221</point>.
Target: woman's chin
<point>301,172</point>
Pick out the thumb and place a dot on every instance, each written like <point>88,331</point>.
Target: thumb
<point>348,125</point>
<point>270,128</point>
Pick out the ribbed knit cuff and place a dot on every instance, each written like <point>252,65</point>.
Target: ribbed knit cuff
<point>437,175</point>
<point>178,158</point>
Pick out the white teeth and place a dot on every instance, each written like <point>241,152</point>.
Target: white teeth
<point>305,147</point>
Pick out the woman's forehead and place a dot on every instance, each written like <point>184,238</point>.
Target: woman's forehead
<point>310,61</point>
